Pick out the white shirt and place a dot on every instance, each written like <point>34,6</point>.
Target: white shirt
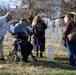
<point>4,26</point>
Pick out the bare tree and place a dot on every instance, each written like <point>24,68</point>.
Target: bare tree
<point>67,7</point>
<point>4,7</point>
<point>48,7</point>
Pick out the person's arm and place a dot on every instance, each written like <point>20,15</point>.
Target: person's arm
<point>44,26</point>
<point>30,29</point>
<point>67,29</point>
<point>18,29</point>
<point>1,21</point>
<point>9,29</point>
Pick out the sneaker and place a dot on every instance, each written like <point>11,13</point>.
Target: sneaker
<point>72,64</point>
<point>25,60</point>
<point>2,59</point>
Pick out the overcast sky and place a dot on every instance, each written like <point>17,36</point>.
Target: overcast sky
<point>5,2</point>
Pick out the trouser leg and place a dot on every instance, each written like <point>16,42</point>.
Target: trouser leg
<point>74,49</point>
<point>1,49</point>
<point>24,50</point>
<point>70,52</point>
<point>37,50</point>
<point>29,48</point>
<point>37,46</point>
<point>42,46</point>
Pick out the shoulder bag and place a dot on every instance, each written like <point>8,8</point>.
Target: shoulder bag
<point>72,34</point>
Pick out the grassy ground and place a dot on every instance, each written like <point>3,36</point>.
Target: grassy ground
<point>60,65</point>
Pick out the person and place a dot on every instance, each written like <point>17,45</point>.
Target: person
<point>22,29</point>
<point>69,44</point>
<point>39,35</point>
<point>4,26</point>
<point>30,20</point>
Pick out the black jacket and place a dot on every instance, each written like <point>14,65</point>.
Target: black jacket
<point>39,29</point>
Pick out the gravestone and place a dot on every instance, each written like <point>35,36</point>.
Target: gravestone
<point>61,45</point>
<point>60,33</point>
<point>48,33</point>
<point>54,37</point>
<point>50,52</point>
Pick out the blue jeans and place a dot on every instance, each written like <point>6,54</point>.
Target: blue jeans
<point>71,45</point>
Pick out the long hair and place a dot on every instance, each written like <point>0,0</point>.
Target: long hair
<point>70,17</point>
<point>36,20</point>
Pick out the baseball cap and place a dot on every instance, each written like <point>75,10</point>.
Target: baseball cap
<point>23,19</point>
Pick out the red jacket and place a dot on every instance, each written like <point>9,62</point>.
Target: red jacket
<point>68,27</point>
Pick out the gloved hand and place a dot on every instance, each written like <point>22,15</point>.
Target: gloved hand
<point>64,43</point>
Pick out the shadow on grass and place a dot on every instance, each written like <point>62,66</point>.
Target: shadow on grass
<point>61,63</point>
<point>3,62</point>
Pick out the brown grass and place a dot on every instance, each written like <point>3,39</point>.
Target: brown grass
<point>42,67</point>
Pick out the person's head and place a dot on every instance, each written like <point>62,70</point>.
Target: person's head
<point>9,16</point>
<point>23,21</point>
<point>67,18</point>
<point>36,19</point>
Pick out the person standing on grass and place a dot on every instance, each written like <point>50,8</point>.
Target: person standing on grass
<point>4,26</point>
<point>71,45</point>
<point>39,34</point>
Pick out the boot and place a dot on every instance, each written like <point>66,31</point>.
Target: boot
<point>41,55</point>
<point>25,60</point>
<point>37,54</point>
